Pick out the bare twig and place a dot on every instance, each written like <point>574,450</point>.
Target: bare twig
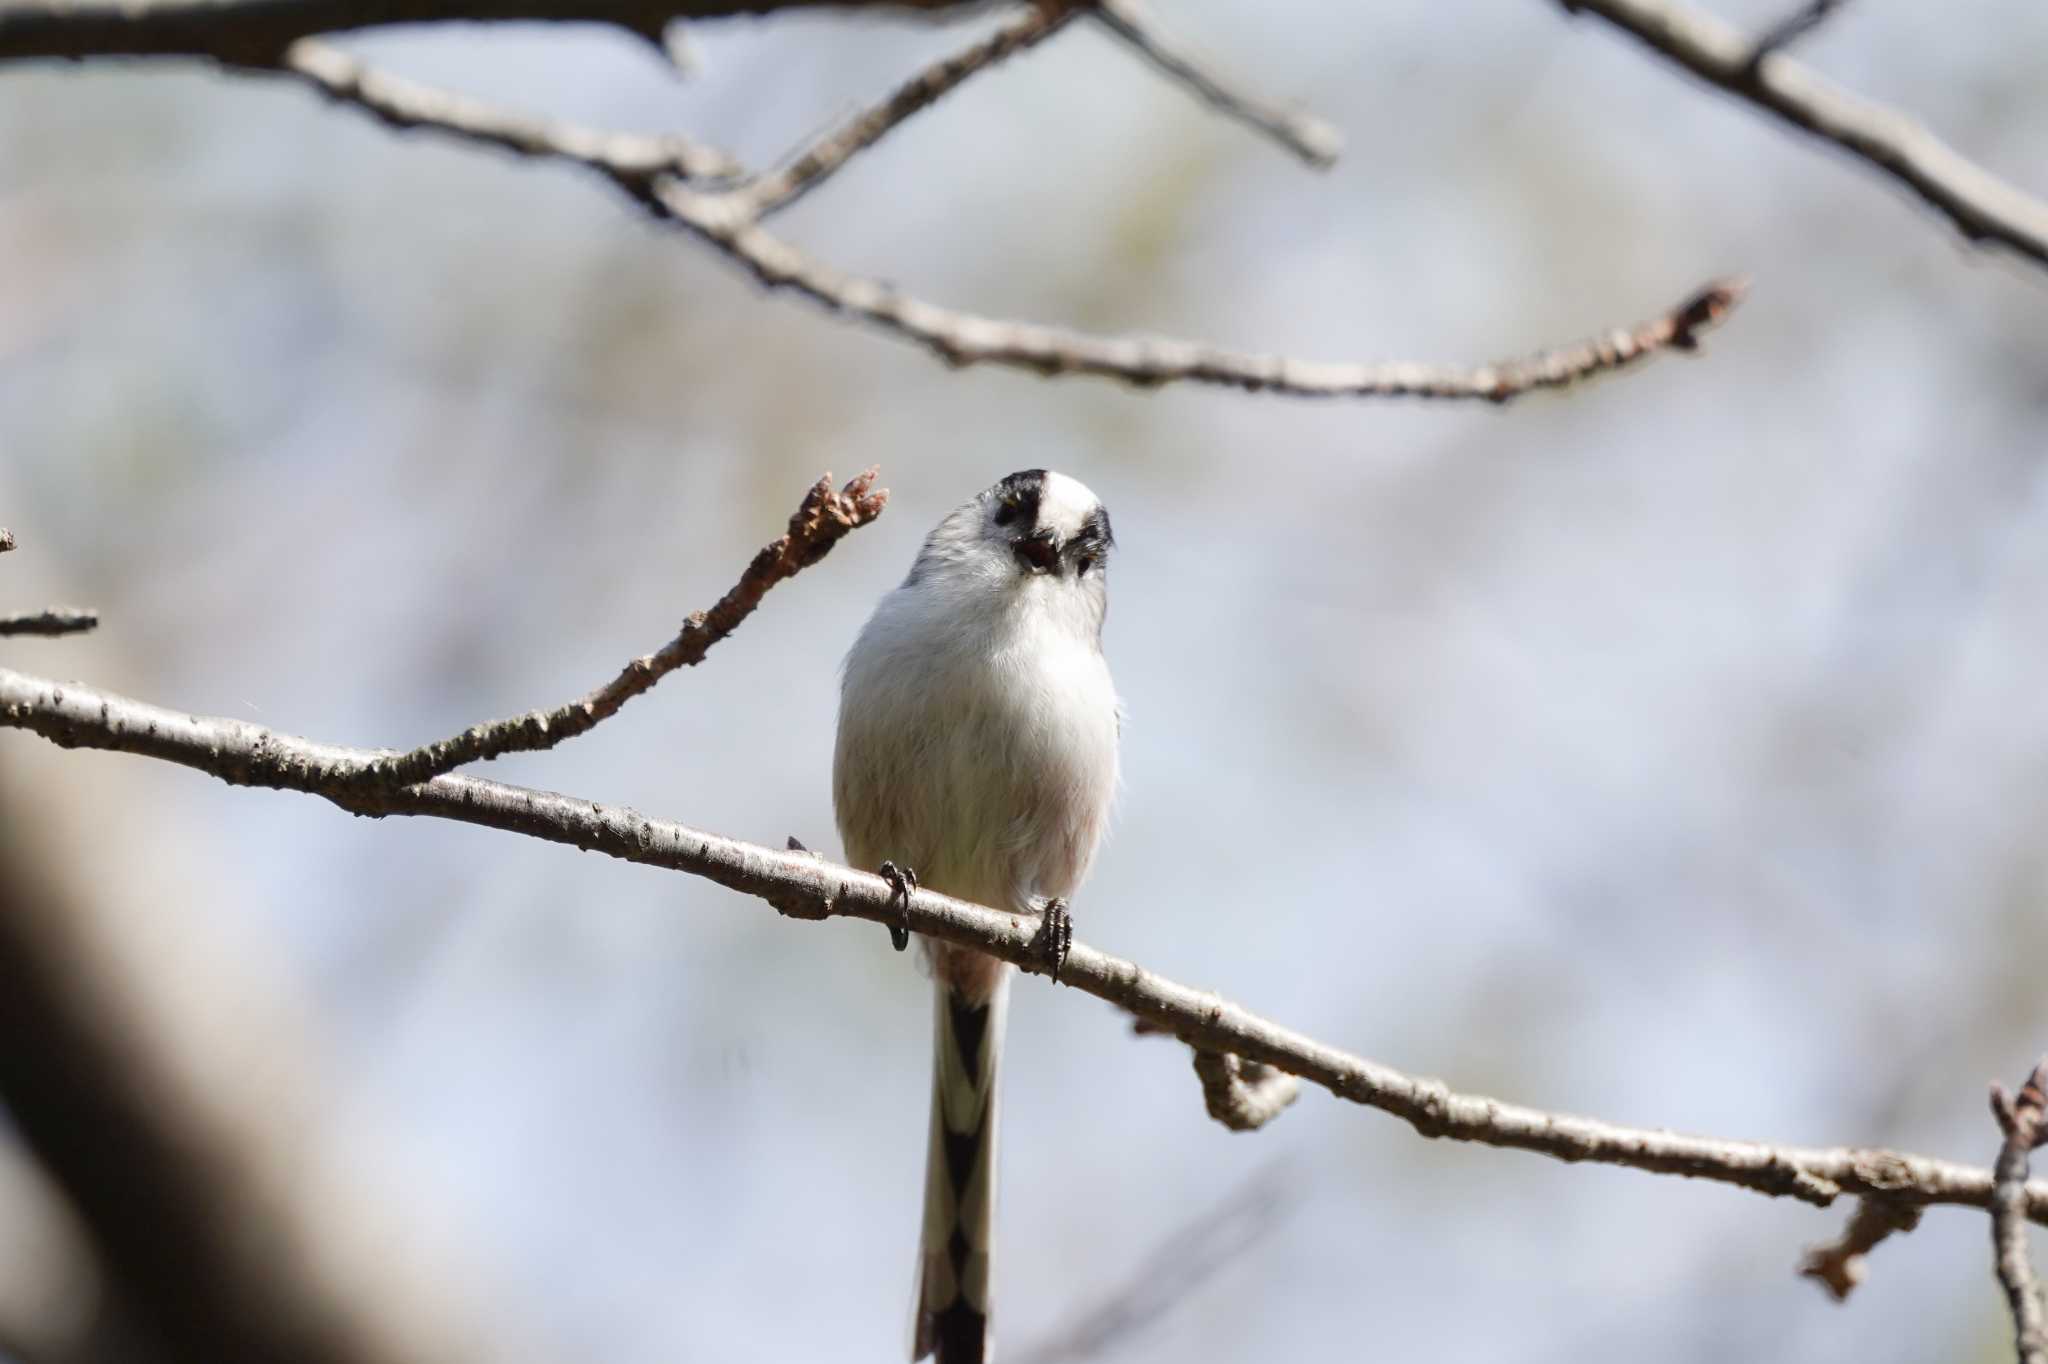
<point>1840,1265</point>
<point>244,754</point>
<point>1982,206</point>
<point>1307,136</point>
<point>1031,25</point>
<point>1792,27</point>
<point>962,338</point>
<point>822,519</point>
<point>254,32</point>
<point>51,620</point>
<point>1182,1262</point>
<point>403,104</point>
<point>2024,1121</point>
<point>1243,1095</point>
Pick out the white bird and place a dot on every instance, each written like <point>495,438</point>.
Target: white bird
<point>978,750</point>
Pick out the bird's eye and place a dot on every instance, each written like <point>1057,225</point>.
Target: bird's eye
<point>1006,511</point>
<point>1083,564</point>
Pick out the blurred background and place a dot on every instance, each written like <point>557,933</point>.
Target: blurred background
<point>1671,751</point>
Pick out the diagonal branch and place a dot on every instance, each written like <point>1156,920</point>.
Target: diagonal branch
<point>1305,135</point>
<point>405,104</point>
<point>1982,206</point>
<point>807,886</point>
<point>773,192</point>
<point>2025,1125</point>
<point>823,519</point>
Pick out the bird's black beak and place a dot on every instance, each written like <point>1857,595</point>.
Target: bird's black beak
<point>1038,552</point>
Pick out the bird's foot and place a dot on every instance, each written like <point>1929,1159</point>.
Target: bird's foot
<point>1054,938</point>
<point>902,881</point>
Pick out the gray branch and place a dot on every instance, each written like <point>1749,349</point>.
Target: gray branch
<point>704,193</point>
<point>1982,206</point>
<point>2025,1125</point>
<point>805,886</point>
<point>821,520</point>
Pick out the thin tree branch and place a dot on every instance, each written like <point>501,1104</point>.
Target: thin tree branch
<point>2025,1125</point>
<point>51,620</point>
<point>820,521</point>
<point>652,171</point>
<point>256,32</point>
<point>406,104</point>
<point>1792,28</point>
<point>962,338</point>
<point>1982,206</point>
<point>240,753</point>
<point>1841,1264</point>
<point>1303,134</point>
<point>1243,1095</point>
<point>777,190</point>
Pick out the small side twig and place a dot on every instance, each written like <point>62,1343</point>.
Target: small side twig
<point>820,522</point>
<point>1791,28</point>
<point>1243,1095</point>
<point>1307,136</point>
<point>2022,1121</point>
<point>1840,1265</point>
<point>809,168</point>
<point>51,620</point>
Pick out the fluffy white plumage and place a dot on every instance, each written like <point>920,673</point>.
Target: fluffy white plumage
<point>978,747</point>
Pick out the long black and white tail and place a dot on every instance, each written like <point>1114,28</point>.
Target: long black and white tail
<point>960,1180</point>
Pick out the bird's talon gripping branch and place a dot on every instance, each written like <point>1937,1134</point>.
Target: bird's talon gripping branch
<point>1055,937</point>
<point>902,880</point>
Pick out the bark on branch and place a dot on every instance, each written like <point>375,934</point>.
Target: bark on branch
<point>705,193</point>
<point>805,886</point>
<point>2024,1121</point>
<point>823,519</point>
<point>1982,206</point>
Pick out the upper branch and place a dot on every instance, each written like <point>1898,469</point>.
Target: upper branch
<point>823,519</point>
<point>963,338</point>
<point>255,32</point>
<point>1307,136</point>
<point>1982,206</point>
<point>806,886</point>
<point>771,193</point>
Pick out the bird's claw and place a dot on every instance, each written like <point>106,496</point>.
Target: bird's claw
<point>1055,937</point>
<point>902,881</point>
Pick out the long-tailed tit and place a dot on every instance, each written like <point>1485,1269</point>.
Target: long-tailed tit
<point>977,750</point>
